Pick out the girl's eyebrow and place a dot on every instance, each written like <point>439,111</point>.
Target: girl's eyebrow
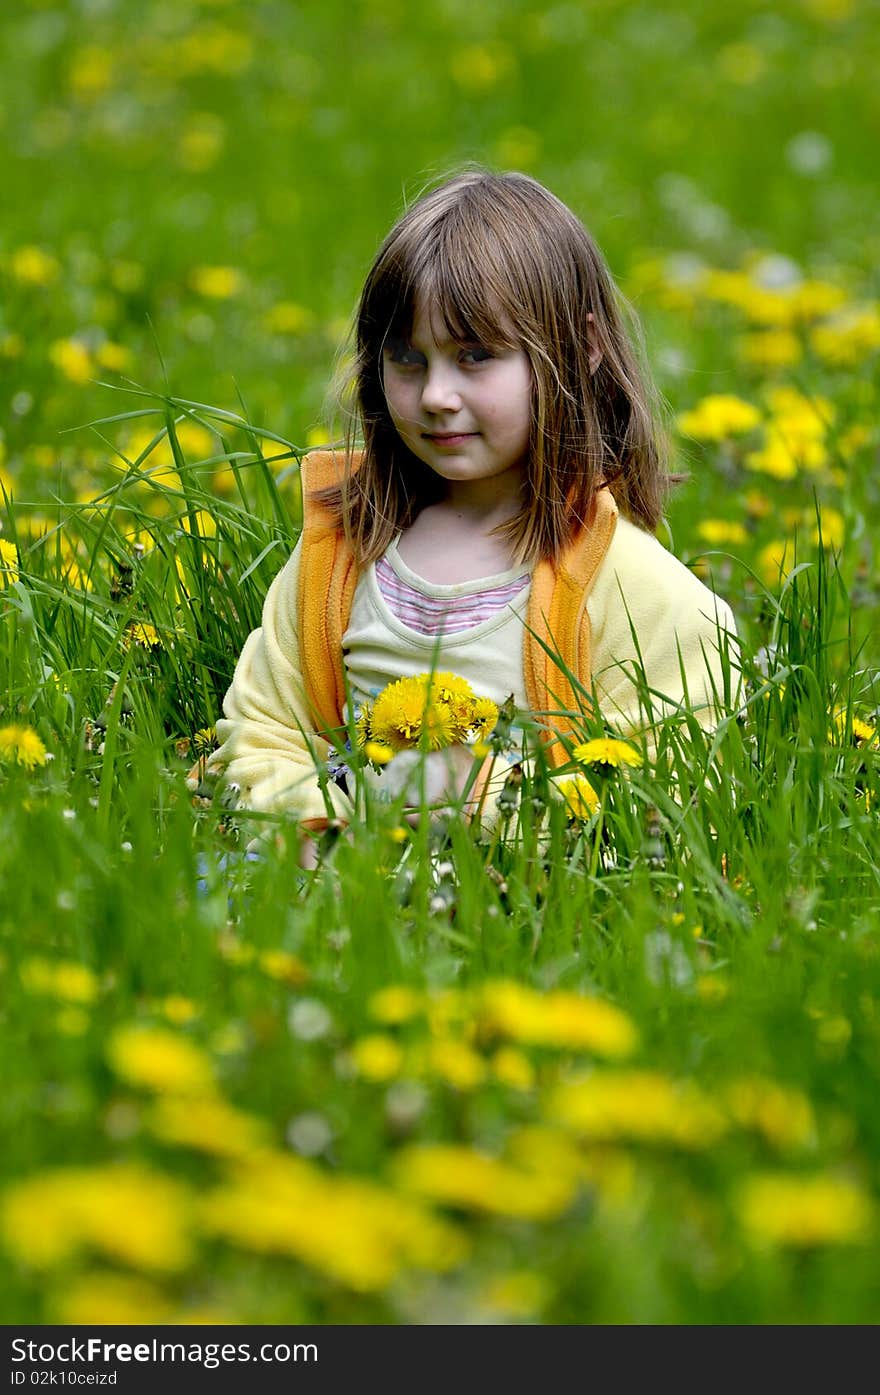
<point>447,343</point>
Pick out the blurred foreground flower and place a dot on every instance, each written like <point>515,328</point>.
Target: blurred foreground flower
<point>21,746</point>
<point>65,979</point>
<point>780,1209</point>
<point>156,1059</point>
<point>354,1231</point>
<point>125,1212</point>
<point>461,1176</point>
<point>643,1106</point>
<point>558,1019</point>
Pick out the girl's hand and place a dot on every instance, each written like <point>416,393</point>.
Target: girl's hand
<point>308,853</point>
<point>444,778</point>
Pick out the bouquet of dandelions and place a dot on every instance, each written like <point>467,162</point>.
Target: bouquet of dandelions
<point>422,737</point>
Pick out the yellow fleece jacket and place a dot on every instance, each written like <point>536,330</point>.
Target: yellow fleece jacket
<point>641,606</point>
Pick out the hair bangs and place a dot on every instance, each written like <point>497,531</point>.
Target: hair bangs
<point>452,276</point>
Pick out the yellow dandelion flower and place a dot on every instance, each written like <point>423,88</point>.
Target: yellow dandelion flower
<point>608,1171</point>
<point>830,529</point>
<point>143,634</point>
<point>719,532</point>
<point>153,1058</point>
<point>396,1004</point>
<point>517,1293</point>
<point>606,751</point>
<point>853,439</point>
<point>378,752</point>
<point>207,1126</point>
<point>21,746</point>
<point>65,979</point>
<point>777,462</point>
<point>115,357</point>
<point>776,560</point>
<point>801,1212</point>
<point>123,1299</point>
<point>449,687</point>
<point>406,715</point>
<point>456,1063</point>
<point>288,318</point>
<point>717,417</point>
<point>33,267</point>
<point>812,299</point>
<point>8,563</point>
<point>792,404</point>
<point>484,716</point>
<point>580,798</point>
<point>862,732</point>
<point>849,337</point>
<point>356,1232</point>
<point>122,1211</point>
<point>461,1176</point>
<point>216,282</point>
<point>377,1057</point>
<point>513,1068</point>
<point>456,694</point>
<point>283,966</point>
<point>643,1106</point>
<point>204,741</point>
<point>560,1019</point>
<point>178,1010</point>
<point>72,358</point>
<point>782,1114</point>
<point>712,988</point>
<point>771,348</point>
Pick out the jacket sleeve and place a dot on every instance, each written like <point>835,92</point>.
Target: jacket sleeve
<point>654,624</point>
<point>269,746</point>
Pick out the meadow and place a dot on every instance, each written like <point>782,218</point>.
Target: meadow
<point>615,1060</point>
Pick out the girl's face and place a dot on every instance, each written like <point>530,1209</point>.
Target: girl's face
<point>461,408</point>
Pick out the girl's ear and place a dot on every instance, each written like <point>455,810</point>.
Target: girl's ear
<point>595,356</point>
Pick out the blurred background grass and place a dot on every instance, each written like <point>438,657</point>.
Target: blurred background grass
<point>142,141</point>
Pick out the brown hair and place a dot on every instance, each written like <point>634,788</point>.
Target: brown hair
<point>491,251</point>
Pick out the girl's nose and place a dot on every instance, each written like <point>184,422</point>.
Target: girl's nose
<point>439,391</point>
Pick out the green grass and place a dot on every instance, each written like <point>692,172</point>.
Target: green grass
<point>724,903</point>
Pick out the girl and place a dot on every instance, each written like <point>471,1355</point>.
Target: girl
<point>497,522</point>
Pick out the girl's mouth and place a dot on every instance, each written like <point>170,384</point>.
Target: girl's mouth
<point>450,439</point>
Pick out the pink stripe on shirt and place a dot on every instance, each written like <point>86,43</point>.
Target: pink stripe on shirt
<point>434,615</point>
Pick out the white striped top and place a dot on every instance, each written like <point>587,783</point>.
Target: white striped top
<point>450,610</point>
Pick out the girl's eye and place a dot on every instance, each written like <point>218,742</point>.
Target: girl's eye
<point>476,354</point>
<point>404,356</point>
